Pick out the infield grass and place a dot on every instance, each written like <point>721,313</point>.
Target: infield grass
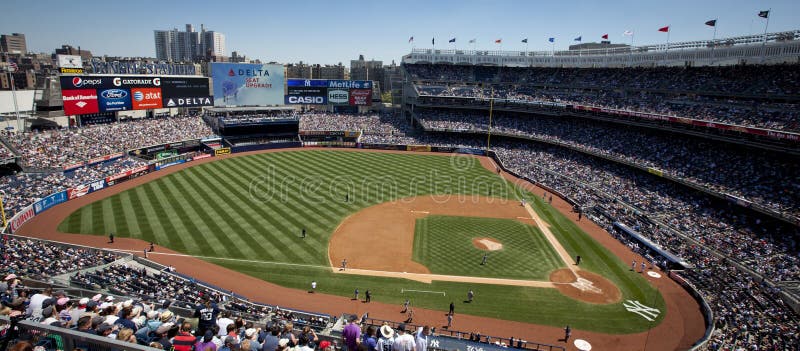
<point>254,208</point>
<point>444,245</point>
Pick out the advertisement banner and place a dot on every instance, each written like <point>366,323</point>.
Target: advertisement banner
<point>158,168</point>
<point>146,98</point>
<point>200,157</point>
<point>123,176</point>
<point>329,83</point>
<point>20,218</point>
<point>49,201</point>
<point>338,97</point>
<point>104,158</point>
<point>244,84</point>
<point>188,101</point>
<point>79,102</point>
<point>185,87</point>
<point>290,82</point>
<point>222,151</point>
<point>306,96</point>
<point>70,70</point>
<point>70,61</point>
<point>114,100</point>
<point>361,97</point>
<point>83,189</point>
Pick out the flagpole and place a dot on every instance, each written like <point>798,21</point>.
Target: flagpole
<point>769,12</point>
<point>16,108</point>
<point>489,130</point>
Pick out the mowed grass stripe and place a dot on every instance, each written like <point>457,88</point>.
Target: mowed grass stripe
<point>283,247</point>
<point>293,195</point>
<point>297,219</point>
<point>288,237</point>
<point>97,220</point>
<point>222,222</point>
<point>115,205</point>
<point>130,215</point>
<point>183,206</point>
<point>242,232</point>
<point>152,230</point>
<point>163,217</point>
<point>208,213</point>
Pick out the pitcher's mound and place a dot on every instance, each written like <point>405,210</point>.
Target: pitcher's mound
<point>487,244</point>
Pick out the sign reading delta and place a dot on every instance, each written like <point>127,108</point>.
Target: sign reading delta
<point>86,94</point>
<point>246,84</point>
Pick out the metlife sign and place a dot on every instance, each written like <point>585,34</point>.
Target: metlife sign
<point>330,83</point>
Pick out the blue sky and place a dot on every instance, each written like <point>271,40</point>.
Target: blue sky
<point>338,31</point>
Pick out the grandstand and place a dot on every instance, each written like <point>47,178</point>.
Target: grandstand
<point>684,154</point>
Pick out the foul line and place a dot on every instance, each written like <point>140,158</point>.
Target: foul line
<point>225,259</point>
<point>402,291</point>
<point>545,228</point>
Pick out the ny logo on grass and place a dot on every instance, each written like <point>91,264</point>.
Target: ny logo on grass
<point>648,313</point>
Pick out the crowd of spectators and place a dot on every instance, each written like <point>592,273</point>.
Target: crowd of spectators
<point>662,90</point>
<point>63,147</point>
<point>761,177</point>
<point>42,260</point>
<point>23,189</point>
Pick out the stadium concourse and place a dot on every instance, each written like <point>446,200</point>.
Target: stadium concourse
<point>587,161</point>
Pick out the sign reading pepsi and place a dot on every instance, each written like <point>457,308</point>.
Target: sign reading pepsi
<point>114,100</point>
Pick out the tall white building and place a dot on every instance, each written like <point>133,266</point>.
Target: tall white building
<point>189,45</point>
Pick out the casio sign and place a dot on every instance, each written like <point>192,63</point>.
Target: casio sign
<point>337,96</point>
<point>319,100</point>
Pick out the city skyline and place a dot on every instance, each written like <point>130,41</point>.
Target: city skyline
<point>324,34</point>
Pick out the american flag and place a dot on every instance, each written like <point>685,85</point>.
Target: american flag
<point>12,66</point>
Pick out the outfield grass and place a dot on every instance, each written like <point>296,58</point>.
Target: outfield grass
<point>254,208</point>
<point>444,245</point>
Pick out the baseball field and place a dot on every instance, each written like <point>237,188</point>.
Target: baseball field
<point>410,226</point>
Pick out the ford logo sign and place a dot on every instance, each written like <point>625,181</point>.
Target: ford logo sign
<point>114,94</point>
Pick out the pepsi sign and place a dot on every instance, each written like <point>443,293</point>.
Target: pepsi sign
<point>114,100</point>
<point>79,82</point>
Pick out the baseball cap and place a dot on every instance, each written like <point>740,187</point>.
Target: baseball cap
<point>230,340</point>
<point>83,301</point>
<point>103,327</point>
<point>47,311</point>
<point>324,344</point>
<point>208,336</point>
<point>91,305</point>
<point>401,327</point>
<point>97,297</point>
<point>62,301</point>
<point>109,298</point>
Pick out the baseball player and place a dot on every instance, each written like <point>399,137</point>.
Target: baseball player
<point>644,266</point>
<point>470,295</point>
<point>111,238</point>
<point>483,262</point>
<point>405,306</point>
<point>344,264</point>
<point>633,265</point>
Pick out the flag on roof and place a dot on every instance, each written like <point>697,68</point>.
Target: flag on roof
<point>605,36</point>
<point>498,41</point>
<point>712,23</point>
<point>452,40</point>
<point>627,33</point>
<point>433,41</point>
<point>664,29</point>
<point>525,40</point>
<point>578,38</point>
<point>552,40</point>
<point>763,14</point>
<point>472,41</point>
<point>411,39</point>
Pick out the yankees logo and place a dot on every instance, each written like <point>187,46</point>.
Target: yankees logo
<point>648,313</point>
